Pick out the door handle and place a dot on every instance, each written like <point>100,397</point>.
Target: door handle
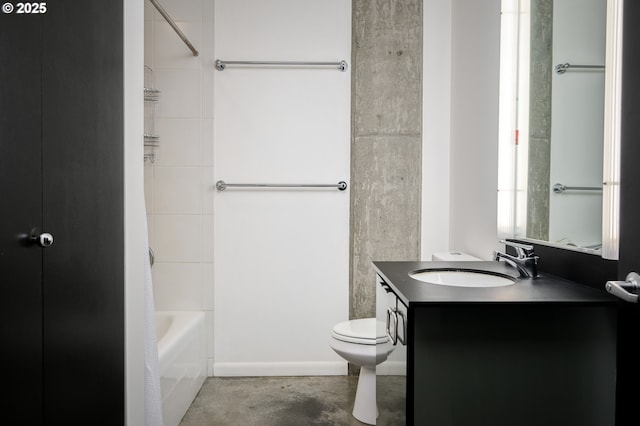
<point>43,240</point>
<point>622,289</point>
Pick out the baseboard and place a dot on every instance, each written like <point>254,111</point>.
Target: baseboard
<point>258,369</point>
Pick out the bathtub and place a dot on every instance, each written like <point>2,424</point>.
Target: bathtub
<point>182,360</point>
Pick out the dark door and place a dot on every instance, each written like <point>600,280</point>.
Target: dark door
<point>629,320</point>
<point>20,213</point>
<point>61,159</point>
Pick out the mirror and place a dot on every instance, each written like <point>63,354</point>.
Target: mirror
<point>558,123</point>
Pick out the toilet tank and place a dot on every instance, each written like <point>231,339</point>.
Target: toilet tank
<point>453,256</point>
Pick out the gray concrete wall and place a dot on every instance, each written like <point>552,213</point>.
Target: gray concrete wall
<point>386,141</point>
<point>540,119</point>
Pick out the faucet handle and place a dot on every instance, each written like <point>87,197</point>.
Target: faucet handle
<point>523,250</point>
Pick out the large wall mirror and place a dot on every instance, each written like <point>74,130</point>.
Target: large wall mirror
<point>559,124</point>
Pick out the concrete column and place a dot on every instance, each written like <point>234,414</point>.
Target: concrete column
<point>539,167</point>
<point>386,143</point>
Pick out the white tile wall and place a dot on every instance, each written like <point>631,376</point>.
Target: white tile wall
<point>181,92</point>
<point>207,141</point>
<point>181,142</point>
<point>178,285</point>
<point>177,239</point>
<point>179,185</point>
<point>177,190</point>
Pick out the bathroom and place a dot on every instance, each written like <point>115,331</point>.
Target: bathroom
<point>407,156</point>
<point>183,205</point>
<point>448,198</point>
<point>202,237</point>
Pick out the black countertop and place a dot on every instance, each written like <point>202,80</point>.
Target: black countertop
<point>543,289</point>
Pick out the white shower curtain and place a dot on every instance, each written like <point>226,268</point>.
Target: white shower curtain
<point>153,396</point>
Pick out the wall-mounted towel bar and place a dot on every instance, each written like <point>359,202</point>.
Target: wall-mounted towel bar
<point>559,188</point>
<point>562,68</point>
<point>341,66</point>
<point>222,185</point>
<point>173,25</point>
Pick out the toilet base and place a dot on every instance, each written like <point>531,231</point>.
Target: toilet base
<point>365,408</point>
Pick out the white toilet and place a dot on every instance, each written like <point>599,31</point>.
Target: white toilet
<point>363,342</point>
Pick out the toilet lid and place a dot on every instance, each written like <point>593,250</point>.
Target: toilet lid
<point>365,331</point>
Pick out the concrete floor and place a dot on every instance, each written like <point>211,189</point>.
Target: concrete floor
<point>289,401</point>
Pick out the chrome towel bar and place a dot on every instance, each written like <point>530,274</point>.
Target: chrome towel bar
<point>559,188</point>
<point>222,185</point>
<point>562,68</point>
<point>342,65</point>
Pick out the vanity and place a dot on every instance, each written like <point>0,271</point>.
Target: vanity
<point>518,351</point>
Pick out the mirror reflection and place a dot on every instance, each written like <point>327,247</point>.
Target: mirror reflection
<point>560,116</point>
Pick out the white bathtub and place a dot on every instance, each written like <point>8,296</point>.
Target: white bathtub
<point>182,359</point>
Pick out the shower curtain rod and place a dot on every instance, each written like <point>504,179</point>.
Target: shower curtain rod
<point>170,21</point>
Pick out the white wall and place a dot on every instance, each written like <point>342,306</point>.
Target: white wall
<point>179,185</point>
<point>436,126</point>
<point>134,212</point>
<point>282,256</point>
<point>475,68</point>
<point>460,130</point>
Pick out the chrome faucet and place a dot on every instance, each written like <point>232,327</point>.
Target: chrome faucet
<point>525,262</point>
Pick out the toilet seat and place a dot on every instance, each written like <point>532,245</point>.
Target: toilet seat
<point>365,331</point>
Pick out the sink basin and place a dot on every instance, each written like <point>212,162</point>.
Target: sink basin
<point>462,278</point>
